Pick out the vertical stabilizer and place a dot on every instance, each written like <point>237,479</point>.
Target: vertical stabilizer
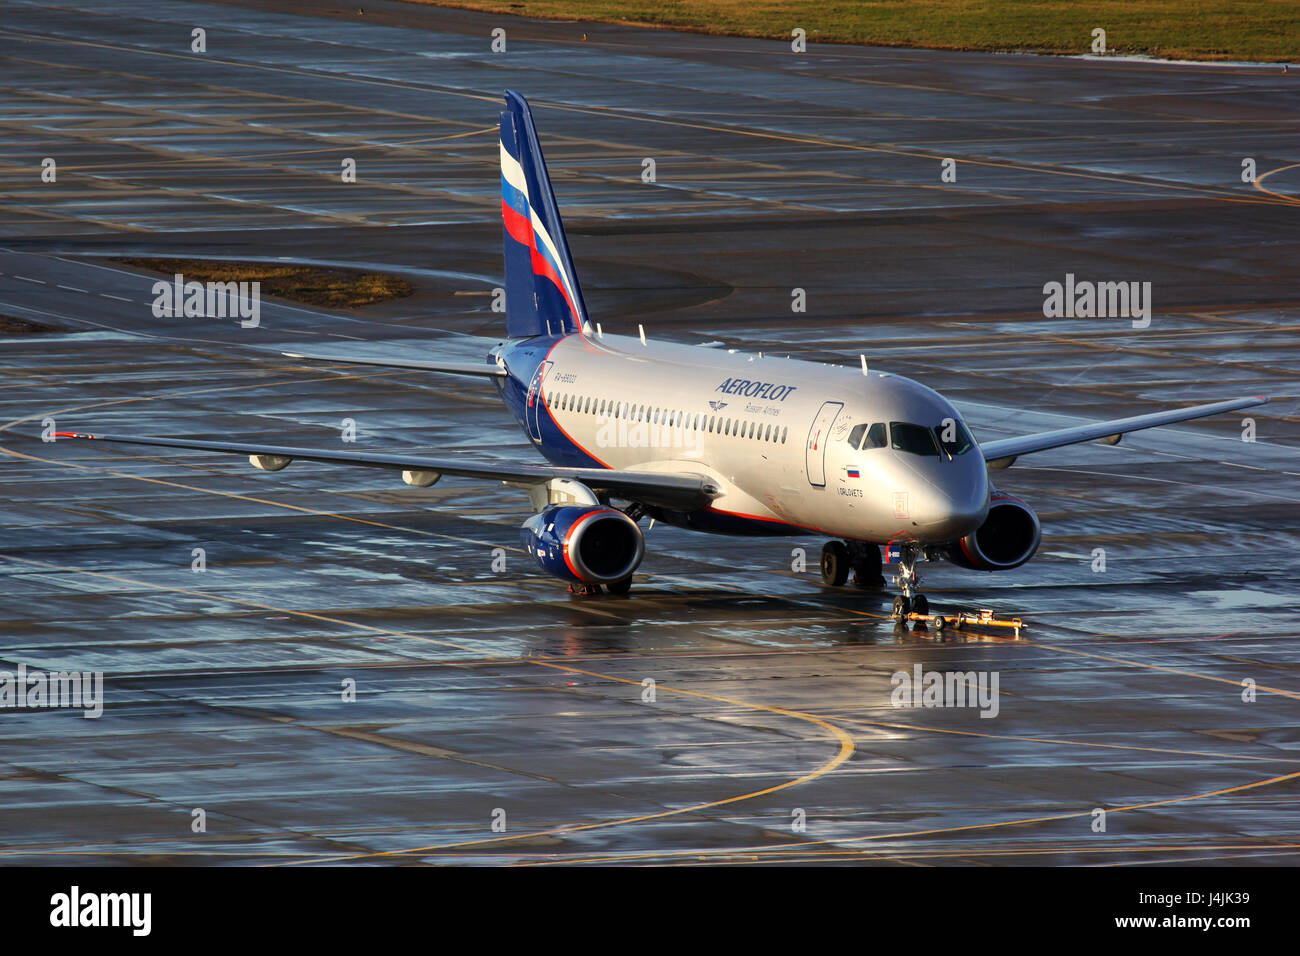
<point>542,293</point>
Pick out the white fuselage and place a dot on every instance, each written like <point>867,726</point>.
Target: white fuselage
<point>773,433</point>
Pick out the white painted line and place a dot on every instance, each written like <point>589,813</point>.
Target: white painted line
<point>119,298</point>
<point>26,279</point>
<point>71,288</point>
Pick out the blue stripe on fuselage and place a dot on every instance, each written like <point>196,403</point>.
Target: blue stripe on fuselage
<point>522,358</point>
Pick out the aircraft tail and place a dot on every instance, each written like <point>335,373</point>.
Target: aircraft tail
<point>542,293</point>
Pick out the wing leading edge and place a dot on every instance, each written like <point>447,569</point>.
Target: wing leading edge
<point>670,490</point>
<point>448,366</point>
<point>1002,452</point>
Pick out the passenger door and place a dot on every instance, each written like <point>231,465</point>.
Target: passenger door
<point>533,410</point>
<point>818,436</point>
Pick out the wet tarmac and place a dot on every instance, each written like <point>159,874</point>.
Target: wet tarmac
<point>485,694</point>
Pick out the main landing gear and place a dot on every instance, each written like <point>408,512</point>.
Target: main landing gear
<point>859,557</point>
<point>863,560</point>
<point>910,601</point>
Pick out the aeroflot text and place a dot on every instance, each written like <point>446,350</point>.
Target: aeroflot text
<point>767,391</point>
<point>208,300</point>
<point>75,908</point>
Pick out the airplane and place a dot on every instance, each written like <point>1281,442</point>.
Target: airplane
<point>708,439</point>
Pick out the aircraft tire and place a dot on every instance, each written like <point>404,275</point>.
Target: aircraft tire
<point>835,563</point>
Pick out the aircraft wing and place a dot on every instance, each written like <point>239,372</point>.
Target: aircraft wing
<point>453,368</point>
<point>670,490</point>
<point>1001,452</point>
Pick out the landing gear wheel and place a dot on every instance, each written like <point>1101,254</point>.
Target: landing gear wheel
<point>920,605</point>
<point>866,567</point>
<point>835,563</point>
<point>902,608</point>
<point>620,587</point>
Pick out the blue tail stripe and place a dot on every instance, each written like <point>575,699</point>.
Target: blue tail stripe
<point>542,292</point>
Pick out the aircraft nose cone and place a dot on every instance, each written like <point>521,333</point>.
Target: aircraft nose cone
<point>953,514</point>
<point>951,505</point>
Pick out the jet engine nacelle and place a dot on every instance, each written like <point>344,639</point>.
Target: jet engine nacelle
<point>585,544</point>
<point>1007,539</point>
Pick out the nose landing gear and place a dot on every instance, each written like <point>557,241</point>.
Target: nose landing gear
<point>910,601</point>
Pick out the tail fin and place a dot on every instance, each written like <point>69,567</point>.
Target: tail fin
<point>542,294</point>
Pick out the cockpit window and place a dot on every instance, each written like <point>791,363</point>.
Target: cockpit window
<point>866,436</point>
<point>953,437</point>
<point>916,439</point>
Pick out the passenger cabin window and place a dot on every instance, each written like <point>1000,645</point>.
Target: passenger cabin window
<point>914,439</point>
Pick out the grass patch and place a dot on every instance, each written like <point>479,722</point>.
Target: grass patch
<point>312,285</point>
<point>11,325</point>
<point>1263,30</point>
